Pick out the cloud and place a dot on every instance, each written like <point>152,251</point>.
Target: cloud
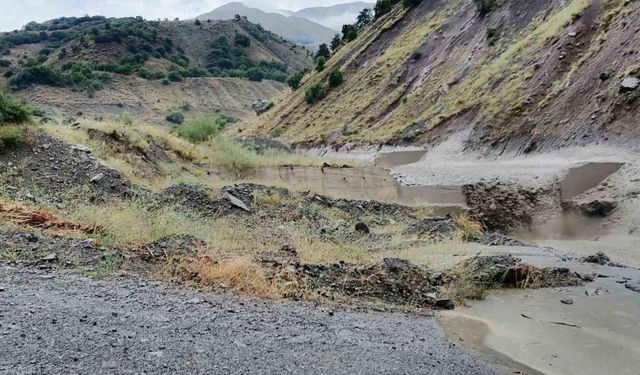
<point>16,13</point>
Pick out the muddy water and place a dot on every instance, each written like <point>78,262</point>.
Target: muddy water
<point>599,333</point>
<point>579,179</point>
<point>366,183</point>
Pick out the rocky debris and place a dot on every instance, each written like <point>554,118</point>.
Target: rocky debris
<point>598,208</point>
<point>602,259</point>
<point>496,239</point>
<point>261,106</point>
<point>437,228</point>
<point>394,281</point>
<point>566,301</point>
<point>194,198</point>
<point>170,246</point>
<point>26,248</point>
<point>506,207</point>
<point>629,83</point>
<point>381,212</point>
<point>61,171</point>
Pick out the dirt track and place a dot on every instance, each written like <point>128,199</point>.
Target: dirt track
<point>65,323</point>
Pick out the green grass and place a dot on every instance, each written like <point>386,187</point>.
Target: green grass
<point>201,129</point>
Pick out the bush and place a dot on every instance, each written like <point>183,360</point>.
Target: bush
<point>125,119</point>
<point>242,40</point>
<point>315,93</point>
<point>38,74</point>
<point>294,80</point>
<point>200,130</point>
<point>320,63</point>
<point>323,51</point>
<point>12,136</point>
<point>485,6</point>
<point>176,118</point>
<point>5,63</point>
<point>174,76</point>
<point>13,111</point>
<point>255,74</point>
<point>335,78</point>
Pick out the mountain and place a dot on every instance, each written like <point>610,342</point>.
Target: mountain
<point>295,29</point>
<point>512,75</point>
<point>336,15</point>
<point>147,68</point>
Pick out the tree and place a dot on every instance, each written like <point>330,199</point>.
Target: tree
<point>242,40</point>
<point>349,32</point>
<point>335,42</point>
<point>294,80</point>
<point>410,3</point>
<point>320,63</point>
<point>315,93</point>
<point>198,23</point>
<point>383,7</point>
<point>364,18</point>
<point>335,78</point>
<point>484,6</point>
<point>323,51</point>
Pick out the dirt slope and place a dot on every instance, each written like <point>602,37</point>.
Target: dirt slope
<point>527,75</point>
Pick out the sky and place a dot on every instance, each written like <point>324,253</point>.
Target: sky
<point>16,13</point>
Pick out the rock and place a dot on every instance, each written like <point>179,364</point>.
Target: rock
<point>599,258</point>
<point>2,289</point>
<point>362,228</point>
<point>97,178</point>
<point>445,304</point>
<point>81,148</point>
<point>261,106</point>
<point>567,301</point>
<point>237,203</point>
<point>633,286</point>
<point>605,76</point>
<point>598,208</point>
<point>50,258</point>
<point>629,83</point>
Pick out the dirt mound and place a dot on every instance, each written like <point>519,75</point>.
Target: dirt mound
<point>509,272</point>
<point>50,169</point>
<point>394,281</point>
<point>496,239</point>
<point>507,207</point>
<point>195,198</point>
<point>438,228</point>
<point>170,246</point>
<point>46,251</point>
<point>602,259</point>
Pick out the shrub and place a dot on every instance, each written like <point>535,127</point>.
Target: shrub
<point>13,111</point>
<point>255,74</point>
<point>38,74</point>
<point>349,33</point>
<point>492,35</point>
<point>484,6</point>
<point>5,63</point>
<point>335,78</point>
<point>315,93</point>
<point>12,136</point>
<point>410,3</point>
<point>125,118</point>
<point>174,76</point>
<point>320,63</point>
<point>242,40</point>
<point>201,129</point>
<point>336,42</point>
<point>176,117</point>
<point>294,80</point>
<point>277,132</point>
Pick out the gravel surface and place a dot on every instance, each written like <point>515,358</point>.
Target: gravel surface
<point>64,323</point>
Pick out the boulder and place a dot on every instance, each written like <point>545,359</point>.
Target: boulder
<point>629,83</point>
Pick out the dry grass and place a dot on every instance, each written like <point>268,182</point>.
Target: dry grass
<point>242,274</point>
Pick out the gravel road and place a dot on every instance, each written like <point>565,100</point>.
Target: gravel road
<point>64,323</point>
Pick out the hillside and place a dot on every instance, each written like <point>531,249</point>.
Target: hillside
<point>295,29</point>
<point>98,66</point>
<point>334,16</point>
<point>517,76</point>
